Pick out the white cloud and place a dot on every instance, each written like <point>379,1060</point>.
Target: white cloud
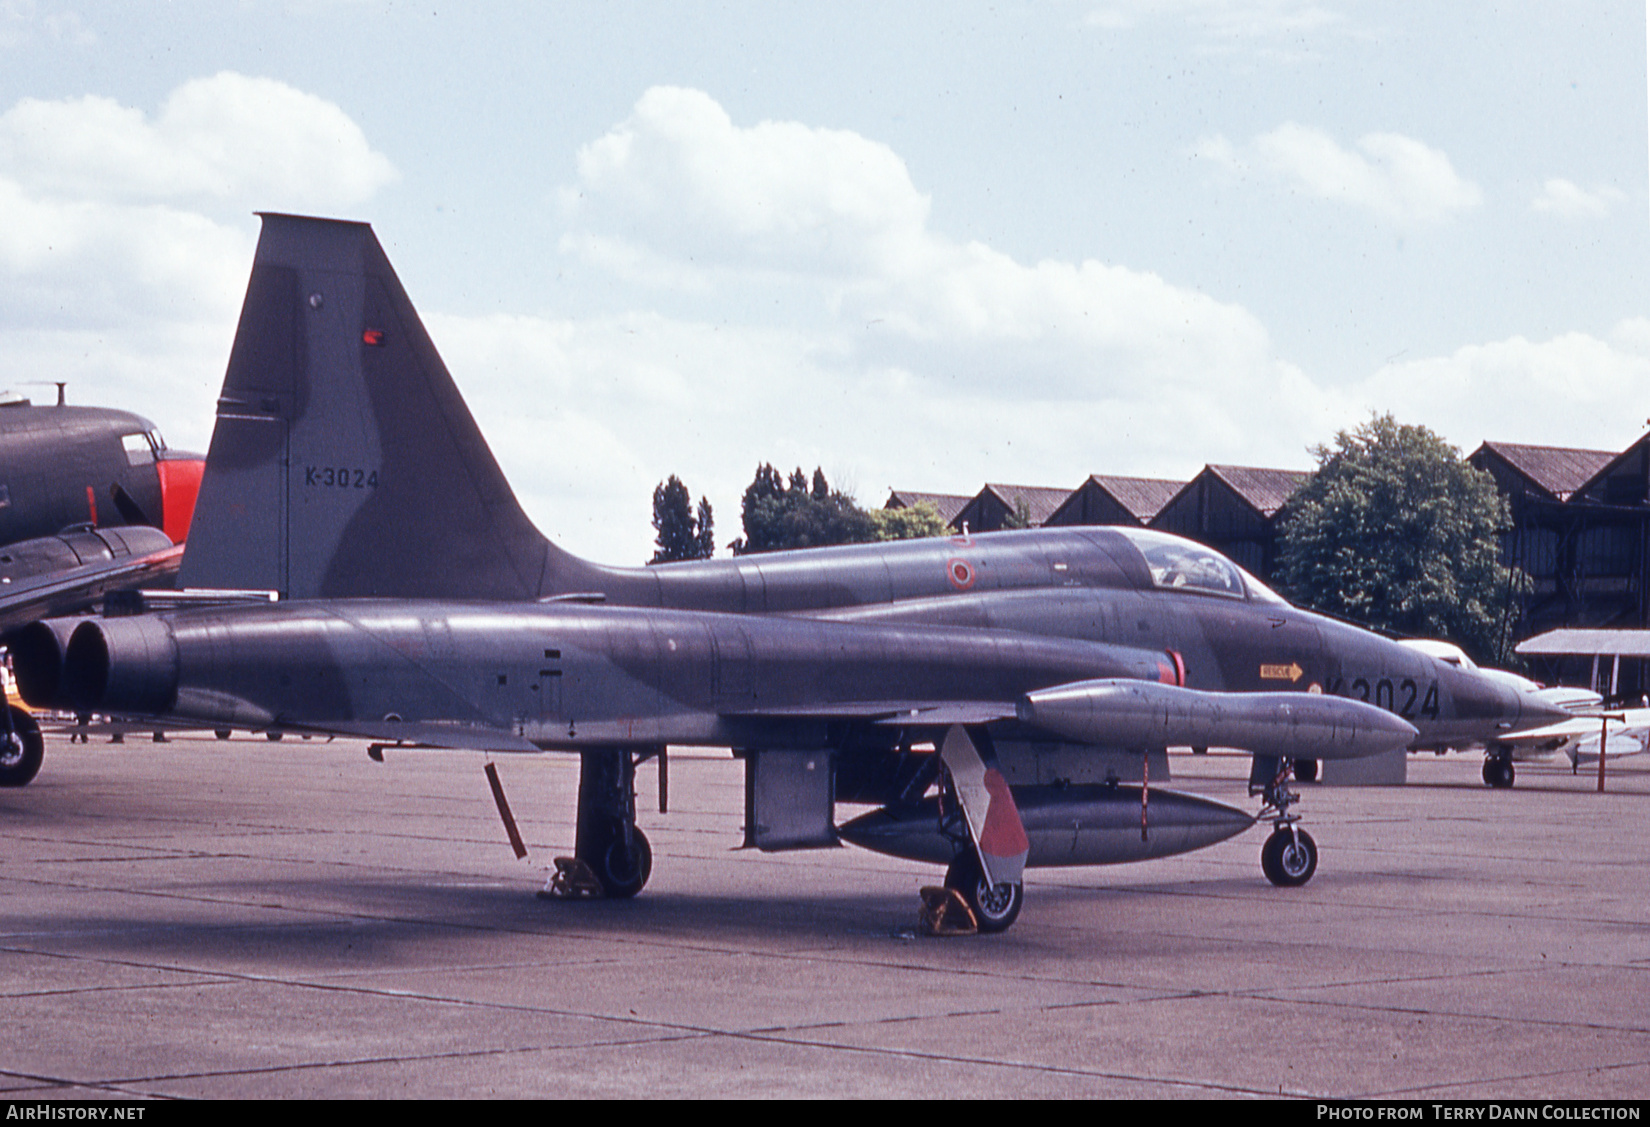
<point>678,180</point>
<point>22,20</point>
<point>1233,19</point>
<point>678,194</point>
<point>1518,390</point>
<point>116,272</point>
<point>1568,200</point>
<point>228,137</point>
<point>915,360</point>
<point>1402,180</point>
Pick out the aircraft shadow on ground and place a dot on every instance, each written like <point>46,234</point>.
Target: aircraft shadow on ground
<point>341,925</point>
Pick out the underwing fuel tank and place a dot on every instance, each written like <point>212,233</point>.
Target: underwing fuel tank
<point>1072,825</point>
<point>1117,713</point>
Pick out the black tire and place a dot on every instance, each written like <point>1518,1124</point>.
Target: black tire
<point>1306,770</point>
<point>624,872</point>
<point>221,733</point>
<point>1289,858</point>
<point>274,735</point>
<point>21,750</point>
<point>1498,773</point>
<point>996,907</point>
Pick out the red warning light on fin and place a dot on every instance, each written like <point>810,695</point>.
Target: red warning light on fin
<point>374,337</point>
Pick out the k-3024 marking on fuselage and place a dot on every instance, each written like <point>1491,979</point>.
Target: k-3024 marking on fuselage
<point>1397,697</point>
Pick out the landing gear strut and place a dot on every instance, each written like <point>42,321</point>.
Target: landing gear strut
<point>1498,766</point>
<point>609,842</point>
<point>1290,856</point>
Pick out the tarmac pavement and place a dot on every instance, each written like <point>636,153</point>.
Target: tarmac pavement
<point>253,919</point>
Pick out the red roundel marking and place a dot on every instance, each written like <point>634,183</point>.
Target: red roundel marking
<point>960,574</point>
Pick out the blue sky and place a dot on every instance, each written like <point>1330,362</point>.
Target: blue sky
<point>923,245</point>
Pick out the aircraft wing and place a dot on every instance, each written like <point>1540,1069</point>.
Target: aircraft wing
<point>891,713</point>
<point>1118,712</point>
<point>75,589</point>
<point>1580,737</point>
<point>450,735</point>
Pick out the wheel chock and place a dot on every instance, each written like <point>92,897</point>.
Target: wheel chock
<point>572,880</point>
<point>945,913</point>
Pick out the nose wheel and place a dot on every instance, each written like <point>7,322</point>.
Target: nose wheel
<point>1498,767</point>
<point>1289,857</point>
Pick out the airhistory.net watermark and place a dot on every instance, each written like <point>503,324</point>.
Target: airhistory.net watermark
<point>92,1112</point>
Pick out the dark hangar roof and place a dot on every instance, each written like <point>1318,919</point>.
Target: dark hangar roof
<point>1557,469</point>
<point>1040,500</point>
<point>1265,489</point>
<point>948,505</point>
<point>1144,497</point>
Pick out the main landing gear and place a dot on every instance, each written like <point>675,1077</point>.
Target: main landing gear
<point>611,856</point>
<point>1290,856</point>
<point>995,907</point>
<point>1498,766</point>
<point>21,747</point>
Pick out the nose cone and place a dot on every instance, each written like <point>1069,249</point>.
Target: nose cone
<point>1537,713</point>
<point>1483,708</point>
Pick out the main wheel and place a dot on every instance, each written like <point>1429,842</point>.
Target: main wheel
<point>1289,858</point>
<point>995,907</point>
<point>21,750</point>
<point>623,872</point>
<point>1498,773</point>
<point>1306,770</point>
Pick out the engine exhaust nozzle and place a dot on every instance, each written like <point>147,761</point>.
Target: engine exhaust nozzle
<point>121,665</point>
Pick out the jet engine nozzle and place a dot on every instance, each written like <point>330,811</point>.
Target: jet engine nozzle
<point>121,665</point>
<point>37,652</point>
<point>1117,713</point>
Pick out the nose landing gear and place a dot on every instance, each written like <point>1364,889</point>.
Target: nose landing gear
<point>1290,856</point>
<point>1498,766</point>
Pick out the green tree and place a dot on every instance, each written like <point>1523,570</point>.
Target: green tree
<point>799,513</point>
<point>910,523</point>
<point>681,535</point>
<point>1396,531</point>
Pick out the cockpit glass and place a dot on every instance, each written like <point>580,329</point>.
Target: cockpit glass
<point>139,450</point>
<point>1180,565</point>
<point>1260,592</point>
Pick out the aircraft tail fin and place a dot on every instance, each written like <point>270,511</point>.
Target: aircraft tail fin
<point>344,461</point>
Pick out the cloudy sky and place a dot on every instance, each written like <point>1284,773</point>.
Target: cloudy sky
<point>922,245</point>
